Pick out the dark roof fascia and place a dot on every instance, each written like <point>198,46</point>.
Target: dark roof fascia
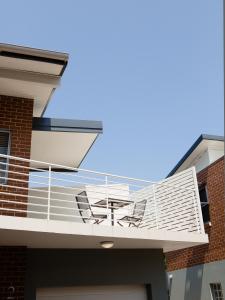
<point>55,61</point>
<point>193,147</point>
<point>67,125</point>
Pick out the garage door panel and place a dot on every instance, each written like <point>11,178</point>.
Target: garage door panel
<point>94,293</point>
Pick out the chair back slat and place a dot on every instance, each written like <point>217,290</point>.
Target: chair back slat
<point>139,208</point>
<point>83,206</point>
<point>82,201</point>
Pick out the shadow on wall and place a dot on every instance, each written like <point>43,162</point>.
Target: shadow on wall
<point>193,283</point>
<point>194,275</point>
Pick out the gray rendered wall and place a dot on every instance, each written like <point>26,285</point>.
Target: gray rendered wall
<point>64,268</point>
<point>194,283</point>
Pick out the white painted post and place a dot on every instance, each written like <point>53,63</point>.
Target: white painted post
<point>49,190</point>
<point>107,198</point>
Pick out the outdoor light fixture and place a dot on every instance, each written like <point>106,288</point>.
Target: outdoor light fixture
<point>107,244</point>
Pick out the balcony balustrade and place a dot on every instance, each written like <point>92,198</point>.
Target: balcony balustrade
<point>84,196</point>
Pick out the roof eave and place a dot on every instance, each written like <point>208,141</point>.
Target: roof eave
<point>192,148</point>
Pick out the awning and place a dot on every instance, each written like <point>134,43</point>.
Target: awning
<point>62,142</point>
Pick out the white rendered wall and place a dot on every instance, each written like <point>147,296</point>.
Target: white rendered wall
<point>207,158</point>
<point>202,161</point>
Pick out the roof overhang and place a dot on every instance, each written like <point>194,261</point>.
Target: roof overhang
<point>62,142</point>
<point>204,142</point>
<point>30,73</point>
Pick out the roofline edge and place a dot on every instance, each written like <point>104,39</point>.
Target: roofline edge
<point>192,148</point>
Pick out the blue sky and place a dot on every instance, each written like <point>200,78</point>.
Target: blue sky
<point>152,71</point>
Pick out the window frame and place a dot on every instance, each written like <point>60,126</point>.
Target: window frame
<point>3,181</point>
<point>200,188</point>
<point>213,290</point>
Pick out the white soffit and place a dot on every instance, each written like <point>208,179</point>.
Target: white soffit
<point>199,151</point>
<point>30,65</point>
<point>30,73</point>
<point>62,148</point>
<point>41,93</point>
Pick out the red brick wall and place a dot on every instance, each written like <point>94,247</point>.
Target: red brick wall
<point>16,116</point>
<point>12,272</point>
<point>213,177</point>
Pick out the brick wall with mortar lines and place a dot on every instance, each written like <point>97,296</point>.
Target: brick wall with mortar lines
<point>213,177</point>
<point>16,116</point>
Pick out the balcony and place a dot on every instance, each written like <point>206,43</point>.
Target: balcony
<point>60,207</point>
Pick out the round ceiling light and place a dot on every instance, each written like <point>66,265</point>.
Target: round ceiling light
<point>107,244</point>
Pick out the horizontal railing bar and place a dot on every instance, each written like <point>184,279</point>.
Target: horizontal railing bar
<point>71,181</point>
<point>46,171</point>
<point>60,200</point>
<point>21,166</point>
<point>73,169</point>
<point>59,179</point>
<point>25,188</point>
<point>87,218</point>
<point>89,185</point>
<point>54,214</point>
<point>66,180</point>
<point>24,181</point>
<point>24,174</point>
<point>134,185</point>
<point>89,190</point>
<point>21,195</point>
<point>77,195</point>
<point>22,203</point>
<point>21,210</point>
<point>80,176</point>
<point>84,210</point>
<point>63,207</point>
<point>56,199</point>
<point>167,211</point>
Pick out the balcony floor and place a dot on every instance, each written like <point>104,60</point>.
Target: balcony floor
<point>36,233</point>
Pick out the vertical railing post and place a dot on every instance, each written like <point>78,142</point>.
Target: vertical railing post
<point>156,208</point>
<point>49,190</point>
<point>107,196</point>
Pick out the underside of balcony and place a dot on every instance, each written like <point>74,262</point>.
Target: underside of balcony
<point>36,233</point>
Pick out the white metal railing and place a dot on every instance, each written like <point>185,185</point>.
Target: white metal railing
<point>80,195</point>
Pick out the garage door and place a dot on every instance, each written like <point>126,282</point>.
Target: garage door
<point>94,293</point>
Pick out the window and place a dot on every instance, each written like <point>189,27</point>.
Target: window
<point>4,149</point>
<point>204,203</point>
<point>216,291</point>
